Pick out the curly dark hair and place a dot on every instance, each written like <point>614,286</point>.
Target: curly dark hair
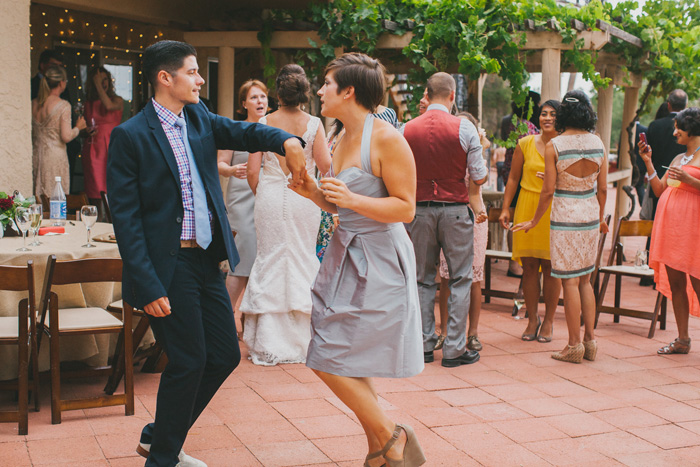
<point>292,85</point>
<point>688,120</point>
<point>576,111</point>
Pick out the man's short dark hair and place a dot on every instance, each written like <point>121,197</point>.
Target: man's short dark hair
<point>167,56</point>
<point>440,85</point>
<point>576,111</point>
<point>688,120</point>
<point>677,100</point>
<point>49,54</point>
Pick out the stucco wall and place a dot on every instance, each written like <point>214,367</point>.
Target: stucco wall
<point>15,99</point>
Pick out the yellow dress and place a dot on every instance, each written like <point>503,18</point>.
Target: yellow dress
<point>535,243</point>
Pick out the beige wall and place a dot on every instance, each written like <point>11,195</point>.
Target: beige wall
<point>15,99</point>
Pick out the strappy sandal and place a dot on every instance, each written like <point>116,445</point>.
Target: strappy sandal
<point>677,346</point>
<point>413,455</point>
<point>440,342</point>
<point>473,343</point>
<point>543,339</point>
<point>533,336</point>
<point>373,455</point>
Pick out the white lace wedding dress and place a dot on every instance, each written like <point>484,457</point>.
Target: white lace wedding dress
<point>277,300</point>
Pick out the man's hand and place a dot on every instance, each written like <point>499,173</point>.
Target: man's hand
<point>158,308</point>
<point>296,162</point>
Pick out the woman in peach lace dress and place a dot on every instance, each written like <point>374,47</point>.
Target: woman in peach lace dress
<point>674,255</point>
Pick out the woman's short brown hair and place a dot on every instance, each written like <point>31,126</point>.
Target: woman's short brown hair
<point>366,74</point>
<point>245,89</point>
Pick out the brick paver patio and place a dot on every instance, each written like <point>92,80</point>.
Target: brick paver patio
<point>516,406</point>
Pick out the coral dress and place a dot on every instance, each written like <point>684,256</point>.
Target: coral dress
<point>535,243</point>
<point>95,147</point>
<point>674,240</point>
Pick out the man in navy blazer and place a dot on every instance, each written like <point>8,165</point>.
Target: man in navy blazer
<point>162,178</point>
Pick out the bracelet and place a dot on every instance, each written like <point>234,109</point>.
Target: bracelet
<point>652,176</point>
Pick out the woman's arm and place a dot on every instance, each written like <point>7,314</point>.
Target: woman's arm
<point>68,134</point>
<point>398,171</point>
<point>658,186</point>
<point>253,170</point>
<point>110,103</point>
<point>477,203</point>
<point>320,152</point>
<point>602,193</point>
<point>516,171</point>
<point>677,173</point>
<point>224,157</point>
<point>547,193</point>
<point>309,189</point>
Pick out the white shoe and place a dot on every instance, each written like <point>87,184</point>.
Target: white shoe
<point>185,460</point>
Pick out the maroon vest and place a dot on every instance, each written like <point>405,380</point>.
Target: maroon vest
<point>441,163</point>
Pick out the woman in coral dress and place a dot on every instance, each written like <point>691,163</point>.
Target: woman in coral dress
<point>103,112</point>
<point>674,254</point>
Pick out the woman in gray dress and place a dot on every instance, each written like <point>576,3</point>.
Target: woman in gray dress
<point>366,318</point>
<point>240,200</point>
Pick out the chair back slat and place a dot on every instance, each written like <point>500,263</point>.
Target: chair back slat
<point>75,202</point>
<point>85,270</point>
<point>105,205</point>
<point>639,228</point>
<point>17,278</point>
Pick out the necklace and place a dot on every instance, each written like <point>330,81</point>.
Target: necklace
<point>687,158</point>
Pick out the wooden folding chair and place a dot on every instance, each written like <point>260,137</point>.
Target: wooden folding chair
<point>89,320</point>
<point>615,267</point>
<point>73,204</point>
<point>20,330</point>
<point>154,355</point>
<point>487,291</point>
<point>105,205</point>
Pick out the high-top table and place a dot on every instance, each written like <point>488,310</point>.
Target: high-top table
<point>91,349</point>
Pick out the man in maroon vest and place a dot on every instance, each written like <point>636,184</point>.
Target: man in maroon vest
<point>445,148</point>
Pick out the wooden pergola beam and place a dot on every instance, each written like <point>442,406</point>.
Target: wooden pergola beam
<point>534,40</point>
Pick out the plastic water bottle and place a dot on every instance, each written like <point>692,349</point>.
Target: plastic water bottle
<point>58,204</point>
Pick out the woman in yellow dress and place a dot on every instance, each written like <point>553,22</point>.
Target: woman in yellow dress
<point>531,249</point>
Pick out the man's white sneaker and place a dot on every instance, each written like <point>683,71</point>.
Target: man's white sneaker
<point>144,450</point>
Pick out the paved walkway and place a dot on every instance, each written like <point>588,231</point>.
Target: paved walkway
<point>516,406</point>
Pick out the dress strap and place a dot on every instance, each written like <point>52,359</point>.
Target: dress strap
<point>365,159</point>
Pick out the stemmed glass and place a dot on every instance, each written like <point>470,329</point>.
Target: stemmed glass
<point>88,214</point>
<point>518,302</point>
<point>23,220</point>
<point>36,212</point>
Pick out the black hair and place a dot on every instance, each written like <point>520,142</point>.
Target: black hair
<point>576,111</point>
<point>553,103</point>
<point>49,54</point>
<point>292,85</point>
<point>167,56</point>
<point>688,120</point>
<point>662,111</point>
<point>677,100</point>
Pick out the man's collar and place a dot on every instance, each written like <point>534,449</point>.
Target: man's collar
<point>437,107</point>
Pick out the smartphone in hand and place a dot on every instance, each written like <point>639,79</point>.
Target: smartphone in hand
<point>643,138</point>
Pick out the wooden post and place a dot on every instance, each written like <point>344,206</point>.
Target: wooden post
<point>226,92</point>
<point>475,91</point>
<point>551,78</point>
<point>623,156</point>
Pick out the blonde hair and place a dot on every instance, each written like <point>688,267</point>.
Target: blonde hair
<point>53,76</point>
<point>245,89</point>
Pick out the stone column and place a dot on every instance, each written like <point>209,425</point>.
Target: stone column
<point>623,157</point>
<point>15,100</point>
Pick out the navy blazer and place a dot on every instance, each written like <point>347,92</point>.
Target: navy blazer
<point>145,198</point>
<point>663,144</point>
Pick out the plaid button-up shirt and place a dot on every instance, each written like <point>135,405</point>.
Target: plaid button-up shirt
<point>167,121</point>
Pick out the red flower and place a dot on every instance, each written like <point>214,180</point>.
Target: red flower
<point>5,204</point>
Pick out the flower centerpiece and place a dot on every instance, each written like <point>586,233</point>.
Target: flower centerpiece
<point>8,205</point>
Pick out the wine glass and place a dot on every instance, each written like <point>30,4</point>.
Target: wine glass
<point>518,302</point>
<point>88,214</point>
<point>36,211</point>
<point>23,220</point>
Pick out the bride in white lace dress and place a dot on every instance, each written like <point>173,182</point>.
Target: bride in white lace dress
<point>277,302</point>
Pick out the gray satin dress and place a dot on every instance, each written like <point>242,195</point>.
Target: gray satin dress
<point>240,204</point>
<point>365,320</point>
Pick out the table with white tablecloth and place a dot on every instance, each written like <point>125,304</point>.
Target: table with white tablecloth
<point>93,350</point>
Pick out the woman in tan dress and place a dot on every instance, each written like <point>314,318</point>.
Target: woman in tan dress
<point>576,177</point>
<point>51,130</point>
